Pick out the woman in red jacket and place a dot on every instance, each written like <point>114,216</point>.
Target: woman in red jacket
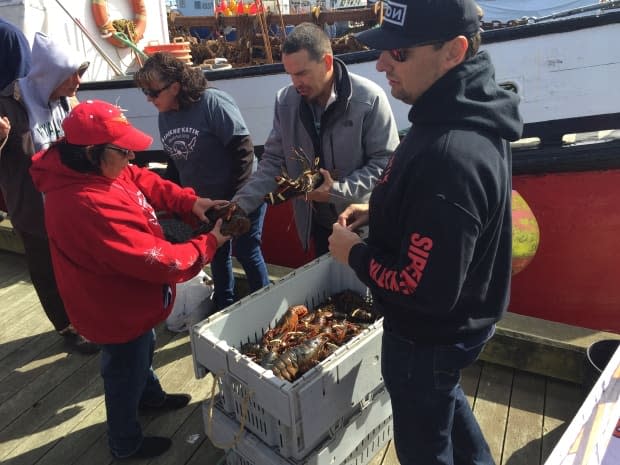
<point>116,272</point>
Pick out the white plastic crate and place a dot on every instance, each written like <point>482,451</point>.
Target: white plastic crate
<point>294,417</point>
<point>356,443</point>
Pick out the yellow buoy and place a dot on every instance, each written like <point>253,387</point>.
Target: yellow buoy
<point>525,233</point>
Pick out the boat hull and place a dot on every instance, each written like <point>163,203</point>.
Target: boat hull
<point>560,70</point>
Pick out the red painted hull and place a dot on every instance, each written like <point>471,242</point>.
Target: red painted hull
<point>280,245</point>
<point>574,276</point>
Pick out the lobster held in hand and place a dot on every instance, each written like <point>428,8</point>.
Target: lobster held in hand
<point>235,221</point>
<point>308,180</point>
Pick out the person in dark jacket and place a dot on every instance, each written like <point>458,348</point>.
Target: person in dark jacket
<point>14,63</point>
<point>14,53</point>
<point>438,255</point>
<point>203,132</point>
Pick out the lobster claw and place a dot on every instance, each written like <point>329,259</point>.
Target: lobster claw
<point>288,188</point>
<point>235,221</point>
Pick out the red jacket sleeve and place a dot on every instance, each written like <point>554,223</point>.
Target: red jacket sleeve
<point>163,194</point>
<point>121,239</point>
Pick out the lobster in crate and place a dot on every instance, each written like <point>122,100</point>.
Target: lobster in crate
<point>235,221</point>
<point>301,339</point>
<point>309,179</point>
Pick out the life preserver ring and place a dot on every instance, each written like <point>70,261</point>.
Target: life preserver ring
<point>106,28</point>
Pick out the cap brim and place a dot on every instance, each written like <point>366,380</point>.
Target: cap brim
<point>382,38</point>
<point>134,140</point>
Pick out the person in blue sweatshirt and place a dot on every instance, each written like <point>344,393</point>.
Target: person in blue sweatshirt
<point>437,258</point>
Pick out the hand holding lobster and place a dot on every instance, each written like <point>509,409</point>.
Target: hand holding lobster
<point>235,221</point>
<point>309,179</point>
<point>322,193</point>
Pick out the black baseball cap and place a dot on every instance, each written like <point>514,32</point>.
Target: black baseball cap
<point>407,23</point>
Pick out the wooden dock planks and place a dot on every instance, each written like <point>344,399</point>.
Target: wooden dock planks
<point>52,410</point>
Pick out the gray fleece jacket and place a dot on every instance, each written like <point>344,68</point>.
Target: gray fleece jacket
<point>357,135</point>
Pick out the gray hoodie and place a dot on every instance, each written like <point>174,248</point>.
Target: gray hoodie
<point>51,65</point>
<point>35,124</point>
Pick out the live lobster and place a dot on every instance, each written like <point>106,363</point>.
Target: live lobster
<point>301,339</point>
<point>288,187</point>
<point>235,221</point>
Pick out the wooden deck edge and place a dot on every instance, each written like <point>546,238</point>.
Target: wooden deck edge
<point>9,240</point>
<point>548,348</point>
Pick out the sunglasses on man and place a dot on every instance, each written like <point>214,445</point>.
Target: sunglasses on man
<point>400,54</point>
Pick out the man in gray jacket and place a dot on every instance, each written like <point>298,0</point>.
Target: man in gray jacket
<point>343,119</point>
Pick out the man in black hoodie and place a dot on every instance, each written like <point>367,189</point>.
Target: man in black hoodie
<point>438,255</point>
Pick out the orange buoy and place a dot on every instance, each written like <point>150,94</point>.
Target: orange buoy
<point>525,233</point>
<point>99,9</point>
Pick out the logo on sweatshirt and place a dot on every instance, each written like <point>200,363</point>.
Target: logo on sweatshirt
<point>404,281</point>
<point>385,176</point>
<point>180,143</point>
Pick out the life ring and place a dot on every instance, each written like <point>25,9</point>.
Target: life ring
<point>107,29</point>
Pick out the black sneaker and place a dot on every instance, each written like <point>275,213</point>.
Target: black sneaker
<point>77,342</point>
<point>171,402</point>
<point>152,446</point>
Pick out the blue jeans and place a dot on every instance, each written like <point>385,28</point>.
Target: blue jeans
<point>249,254</point>
<point>128,380</point>
<point>433,422</point>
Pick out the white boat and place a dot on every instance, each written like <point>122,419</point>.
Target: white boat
<point>561,65</point>
<point>562,69</point>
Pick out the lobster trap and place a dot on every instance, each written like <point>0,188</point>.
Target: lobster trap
<point>292,417</point>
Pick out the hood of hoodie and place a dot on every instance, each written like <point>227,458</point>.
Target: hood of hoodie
<point>468,95</point>
<point>52,64</point>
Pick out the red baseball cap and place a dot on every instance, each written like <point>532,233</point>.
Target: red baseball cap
<point>95,122</point>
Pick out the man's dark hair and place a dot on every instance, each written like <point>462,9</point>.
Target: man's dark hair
<point>474,41</point>
<point>309,37</point>
<point>167,68</point>
<point>473,44</point>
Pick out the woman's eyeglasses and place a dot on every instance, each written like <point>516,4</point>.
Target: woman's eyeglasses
<point>125,152</point>
<point>154,93</point>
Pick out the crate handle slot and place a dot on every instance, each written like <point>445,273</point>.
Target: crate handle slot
<point>366,401</point>
<point>333,429</point>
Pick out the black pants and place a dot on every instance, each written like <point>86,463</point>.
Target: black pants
<point>320,234</point>
<point>39,263</point>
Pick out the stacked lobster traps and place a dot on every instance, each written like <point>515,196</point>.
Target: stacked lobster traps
<point>337,412</point>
